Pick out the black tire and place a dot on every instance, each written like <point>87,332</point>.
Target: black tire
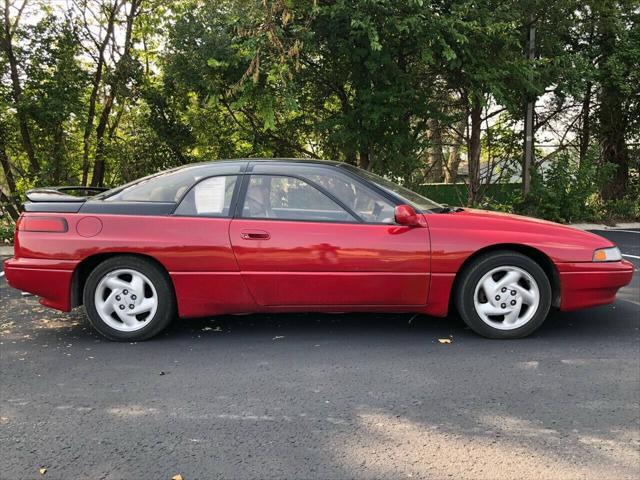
<point>166,309</point>
<point>474,272</point>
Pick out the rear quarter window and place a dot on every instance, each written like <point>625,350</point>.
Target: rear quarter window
<point>169,186</point>
<point>210,198</point>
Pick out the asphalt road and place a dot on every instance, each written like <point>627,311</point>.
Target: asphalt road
<point>322,396</point>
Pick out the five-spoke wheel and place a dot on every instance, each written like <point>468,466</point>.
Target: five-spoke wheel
<point>503,295</point>
<point>129,298</point>
<point>506,297</point>
<point>126,299</point>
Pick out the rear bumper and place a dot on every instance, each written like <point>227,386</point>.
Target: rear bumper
<point>48,279</point>
<point>591,284</point>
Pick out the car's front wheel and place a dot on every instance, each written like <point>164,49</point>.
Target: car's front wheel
<point>504,295</point>
<point>129,298</point>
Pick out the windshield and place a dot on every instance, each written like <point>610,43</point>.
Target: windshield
<point>410,197</point>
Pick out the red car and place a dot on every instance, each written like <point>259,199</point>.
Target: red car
<point>288,236</point>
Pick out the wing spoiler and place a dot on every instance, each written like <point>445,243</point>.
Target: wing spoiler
<point>62,194</point>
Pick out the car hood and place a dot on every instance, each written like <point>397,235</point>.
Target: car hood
<point>472,230</point>
<point>510,221</point>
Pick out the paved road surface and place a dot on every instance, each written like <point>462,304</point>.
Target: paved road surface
<point>322,396</point>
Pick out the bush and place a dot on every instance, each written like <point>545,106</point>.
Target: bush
<point>6,230</point>
<point>627,208</point>
<point>566,192</point>
<point>570,192</point>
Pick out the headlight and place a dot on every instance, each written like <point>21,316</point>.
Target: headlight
<point>611,254</point>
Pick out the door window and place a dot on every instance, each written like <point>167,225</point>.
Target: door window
<point>369,205</point>
<point>288,198</point>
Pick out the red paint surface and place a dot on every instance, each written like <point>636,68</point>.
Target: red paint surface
<point>221,265</point>
<point>89,227</point>
<point>590,284</point>
<point>313,263</point>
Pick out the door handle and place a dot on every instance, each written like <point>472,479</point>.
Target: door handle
<point>254,235</point>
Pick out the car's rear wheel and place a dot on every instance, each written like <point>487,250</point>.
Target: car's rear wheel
<point>503,294</point>
<point>129,298</point>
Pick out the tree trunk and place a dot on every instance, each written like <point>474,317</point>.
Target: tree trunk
<point>351,158</point>
<point>57,156</point>
<point>97,179</point>
<point>88,128</point>
<point>93,97</point>
<point>6,168</point>
<point>10,200</point>
<point>436,157</point>
<point>585,131</point>
<point>614,147</point>
<point>363,160</point>
<point>611,114</point>
<point>6,164</point>
<point>16,90</point>
<point>474,152</point>
<point>14,213</point>
<point>451,172</point>
<point>453,162</point>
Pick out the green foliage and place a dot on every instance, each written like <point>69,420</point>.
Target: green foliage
<point>569,191</point>
<point>7,228</point>
<point>456,193</point>
<point>626,208</point>
<point>566,192</point>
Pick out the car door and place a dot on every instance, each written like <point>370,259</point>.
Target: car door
<point>298,244</point>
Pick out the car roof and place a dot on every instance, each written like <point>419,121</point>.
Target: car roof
<point>266,160</point>
<point>288,160</point>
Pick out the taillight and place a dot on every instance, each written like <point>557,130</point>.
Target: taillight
<point>42,224</point>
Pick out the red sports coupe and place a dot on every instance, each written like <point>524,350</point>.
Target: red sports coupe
<point>298,235</point>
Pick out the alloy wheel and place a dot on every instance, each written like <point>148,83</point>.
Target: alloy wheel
<point>126,300</point>
<point>506,297</point>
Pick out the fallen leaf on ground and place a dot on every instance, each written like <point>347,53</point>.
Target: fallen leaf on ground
<point>42,470</point>
<point>177,477</point>
<point>208,329</point>
<point>444,340</point>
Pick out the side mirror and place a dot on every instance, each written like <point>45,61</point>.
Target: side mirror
<point>406,215</point>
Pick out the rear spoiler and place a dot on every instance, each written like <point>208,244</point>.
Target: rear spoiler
<point>59,194</point>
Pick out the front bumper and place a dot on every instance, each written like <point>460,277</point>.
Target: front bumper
<point>48,279</point>
<point>590,284</point>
